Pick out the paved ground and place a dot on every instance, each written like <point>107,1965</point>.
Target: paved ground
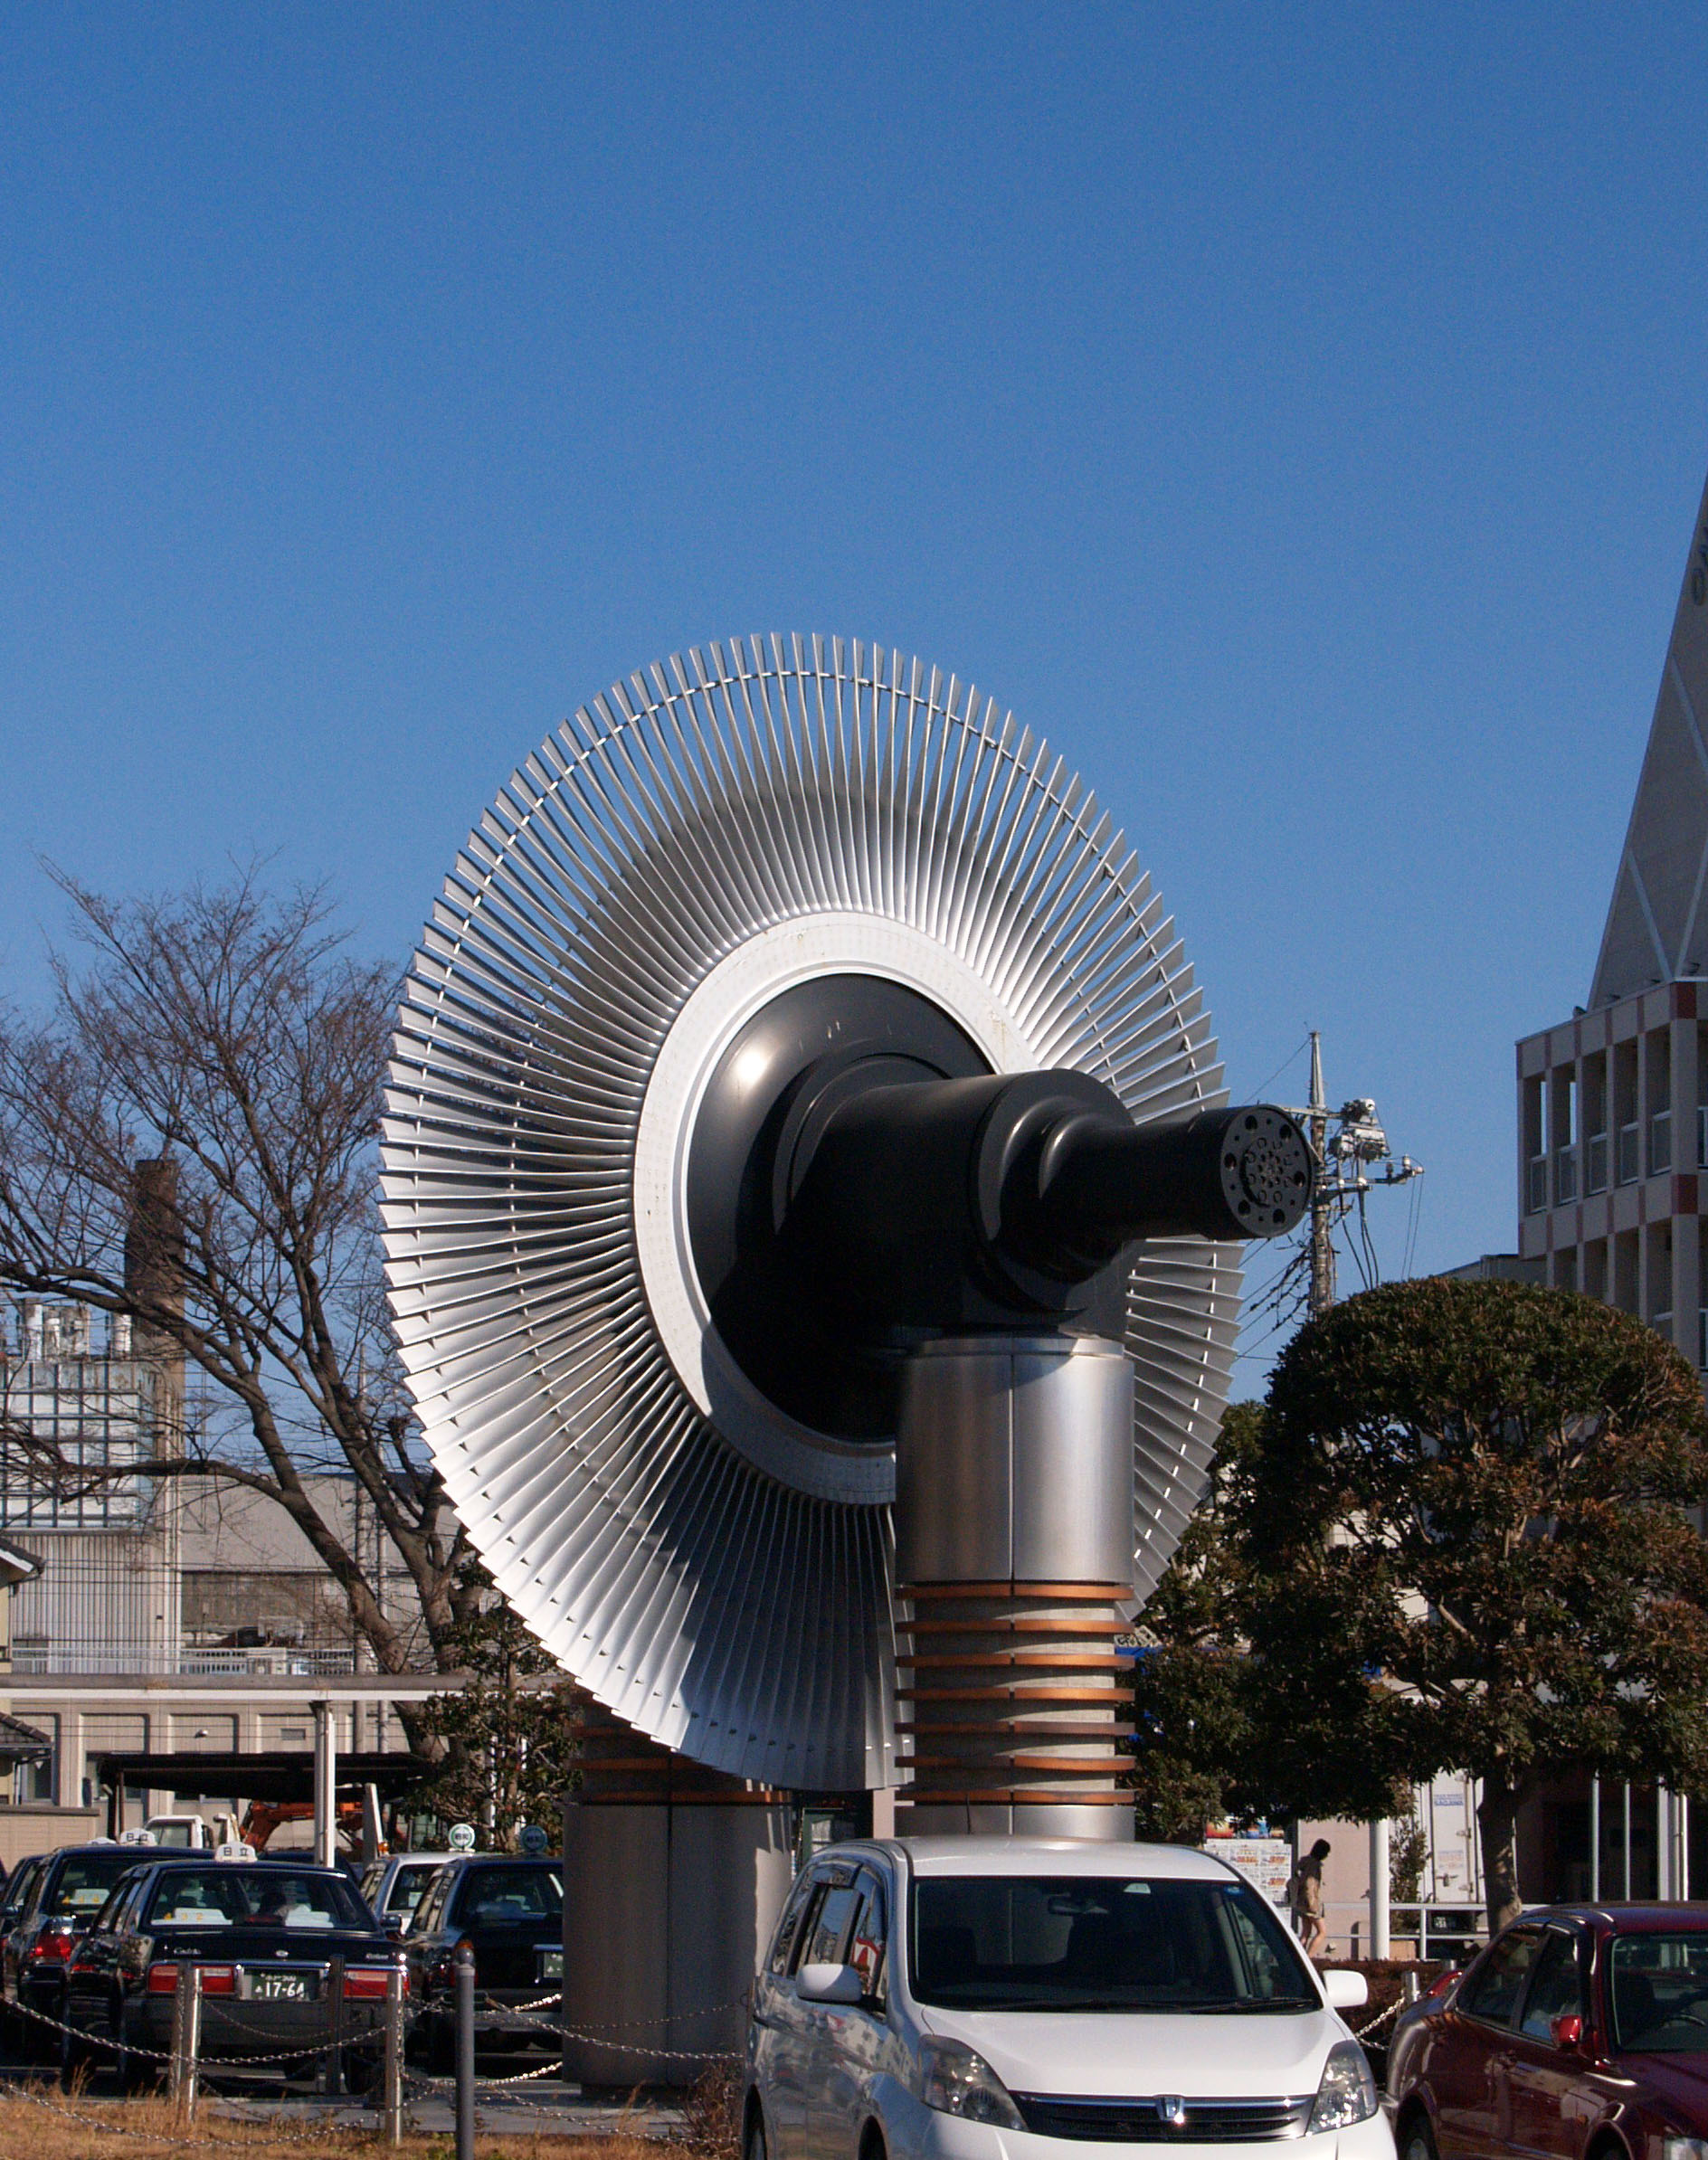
<point>546,2105</point>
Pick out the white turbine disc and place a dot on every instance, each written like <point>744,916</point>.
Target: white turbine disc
<point>700,839</point>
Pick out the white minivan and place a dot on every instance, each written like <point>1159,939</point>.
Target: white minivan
<point>982,1998</point>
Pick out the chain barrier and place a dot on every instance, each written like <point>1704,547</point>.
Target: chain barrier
<point>129,2047</point>
<point>362,2043</point>
<point>1381,2018</point>
<point>633,2024</point>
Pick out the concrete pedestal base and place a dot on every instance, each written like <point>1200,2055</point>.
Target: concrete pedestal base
<point>668,1908</point>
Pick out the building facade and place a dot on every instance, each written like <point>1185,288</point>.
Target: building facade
<point>1613,1102</point>
<point>165,1614</point>
<point>1613,1181</point>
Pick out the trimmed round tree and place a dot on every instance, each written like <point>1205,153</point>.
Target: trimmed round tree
<point>1472,1547</point>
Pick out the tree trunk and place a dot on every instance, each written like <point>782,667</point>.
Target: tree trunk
<point>1497,1825</point>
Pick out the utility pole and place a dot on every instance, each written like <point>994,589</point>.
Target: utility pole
<point>1322,1292</point>
<point>1344,1158</point>
<point>1358,1145</point>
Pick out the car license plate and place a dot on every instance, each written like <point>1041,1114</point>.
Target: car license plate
<point>551,1965</point>
<point>279,1988</point>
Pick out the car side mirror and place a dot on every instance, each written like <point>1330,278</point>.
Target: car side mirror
<point>1346,1991</point>
<point>1567,2030</point>
<point>830,1984</point>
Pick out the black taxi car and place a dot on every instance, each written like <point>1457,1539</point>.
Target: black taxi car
<point>59,1895</point>
<point>510,1911</point>
<point>270,1937</point>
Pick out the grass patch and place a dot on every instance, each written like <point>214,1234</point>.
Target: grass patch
<point>41,2123</point>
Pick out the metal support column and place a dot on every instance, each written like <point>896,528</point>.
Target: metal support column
<point>326,1786</point>
<point>1379,1891</point>
<point>1595,1841</point>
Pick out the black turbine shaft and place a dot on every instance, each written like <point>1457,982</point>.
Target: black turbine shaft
<point>859,1179</point>
<point>1020,1187</point>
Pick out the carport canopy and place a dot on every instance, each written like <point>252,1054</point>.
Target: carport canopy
<point>279,1774</point>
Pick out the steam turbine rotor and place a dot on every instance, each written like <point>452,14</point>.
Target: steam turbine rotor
<point>753,967</point>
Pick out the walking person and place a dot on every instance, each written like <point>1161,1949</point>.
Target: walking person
<point>1305,1896</point>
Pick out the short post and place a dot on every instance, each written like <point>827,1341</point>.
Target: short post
<point>332,2061</point>
<point>1380,1930</point>
<point>186,2040</point>
<point>392,2060</point>
<point>465,2052</point>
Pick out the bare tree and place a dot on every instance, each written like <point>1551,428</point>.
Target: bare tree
<point>189,1140</point>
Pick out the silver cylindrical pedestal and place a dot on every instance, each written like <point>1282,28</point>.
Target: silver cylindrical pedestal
<point>1014,1559</point>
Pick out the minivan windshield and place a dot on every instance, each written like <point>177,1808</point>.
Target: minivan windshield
<point>1100,1942</point>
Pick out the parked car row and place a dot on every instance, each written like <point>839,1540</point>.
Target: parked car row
<point>91,1938</point>
<point>928,1999</point>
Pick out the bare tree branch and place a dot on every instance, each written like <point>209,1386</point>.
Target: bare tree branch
<point>228,1032</point>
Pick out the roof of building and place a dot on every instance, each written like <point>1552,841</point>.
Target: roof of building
<point>16,1565</point>
<point>20,1742</point>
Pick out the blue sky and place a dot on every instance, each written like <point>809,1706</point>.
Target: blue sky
<point>1299,415</point>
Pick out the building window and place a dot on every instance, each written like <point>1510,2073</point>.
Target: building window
<point>36,1784</point>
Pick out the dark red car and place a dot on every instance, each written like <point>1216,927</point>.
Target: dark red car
<point>1580,2034</point>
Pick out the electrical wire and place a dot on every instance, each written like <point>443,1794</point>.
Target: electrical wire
<point>1292,1058</point>
<point>1413,1212</point>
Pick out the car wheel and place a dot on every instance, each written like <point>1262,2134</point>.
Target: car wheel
<point>441,2048</point>
<point>136,2074</point>
<point>752,2142</point>
<point>41,2040</point>
<point>1417,2141</point>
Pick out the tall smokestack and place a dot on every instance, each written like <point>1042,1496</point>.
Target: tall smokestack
<point>154,1277</point>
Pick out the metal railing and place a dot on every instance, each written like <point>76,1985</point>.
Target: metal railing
<point>1440,1929</point>
<point>281,1658</point>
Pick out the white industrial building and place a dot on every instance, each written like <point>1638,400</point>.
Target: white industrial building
<point>168,1615</point>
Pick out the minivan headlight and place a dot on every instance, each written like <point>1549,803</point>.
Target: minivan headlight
<point>959,2081</point>
<point>1347,2094</point>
